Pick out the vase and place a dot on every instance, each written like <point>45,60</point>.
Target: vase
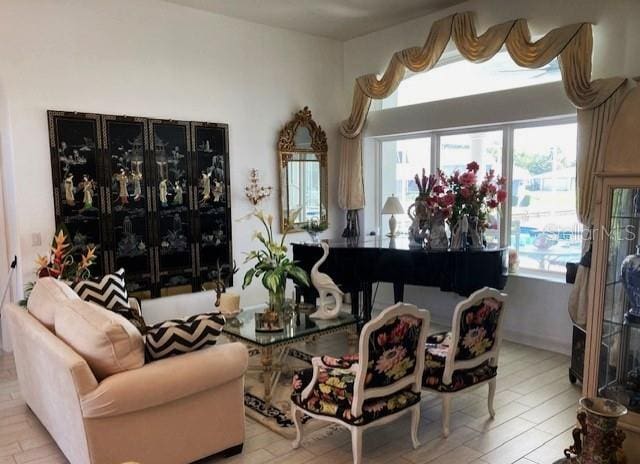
<point>277,299</point>
<point>459,232</point>
<point>314,236</point>
<point>475,234</point>
<point>597,440</point>
<point>438,233</point>
<point>420,218</point>
<point>630,271</point>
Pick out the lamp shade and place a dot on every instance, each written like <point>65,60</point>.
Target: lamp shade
<point>392,206</point>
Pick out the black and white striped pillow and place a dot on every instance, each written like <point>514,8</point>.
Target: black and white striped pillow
<point>179,336</point>
<point>109,292</point>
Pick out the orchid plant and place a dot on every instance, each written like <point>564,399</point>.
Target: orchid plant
<point>271,263</point>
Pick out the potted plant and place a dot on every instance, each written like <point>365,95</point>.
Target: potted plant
<point>313,228</point>
<point>272,266</point>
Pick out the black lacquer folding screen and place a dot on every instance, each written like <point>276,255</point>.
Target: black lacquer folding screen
<point>151,194</point>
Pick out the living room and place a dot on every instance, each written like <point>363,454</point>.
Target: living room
<point>184,140</point>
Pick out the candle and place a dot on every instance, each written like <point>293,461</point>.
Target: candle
<point>229,304</point>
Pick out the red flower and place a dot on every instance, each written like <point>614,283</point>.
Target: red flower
<point>449,199</point>
<point>502,196</point>
<point>466,192</point>
<point>492,204</point>
<point>473,166</point>
<point>468,178</point>
<point>438,189</point>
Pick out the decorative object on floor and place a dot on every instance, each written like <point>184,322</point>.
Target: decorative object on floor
<point>392,206</point>
<point>327,289</point>
<point>131,187</point>
<point>467,357</point>
<point>314,227</point>
<point>255,192</point>
<point>179,336</point>
<point>302,154</point>
<point>598,440</point>
<point>514,260</point>
<point>273,265</point>
<point>630,274</point>
<point>377,386</point>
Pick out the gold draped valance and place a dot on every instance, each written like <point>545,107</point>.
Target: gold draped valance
<point>571,44</point>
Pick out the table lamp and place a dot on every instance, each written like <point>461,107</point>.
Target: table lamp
<point>392,206</point>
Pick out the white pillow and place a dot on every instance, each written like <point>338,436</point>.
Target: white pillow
<point>107,341</point>
<point>47,296</point>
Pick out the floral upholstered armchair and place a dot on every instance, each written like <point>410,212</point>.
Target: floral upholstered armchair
<point>371,388</point>
<point>468,355</point>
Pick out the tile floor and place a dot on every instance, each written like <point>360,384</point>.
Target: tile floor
<point>535,412</point>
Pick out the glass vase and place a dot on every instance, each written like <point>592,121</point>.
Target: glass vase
<point>277,299</point>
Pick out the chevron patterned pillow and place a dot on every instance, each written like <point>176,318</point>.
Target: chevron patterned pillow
<point>179,336</point>
<point>109,292</point>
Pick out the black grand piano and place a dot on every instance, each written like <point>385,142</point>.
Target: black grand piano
<point>356,266</point>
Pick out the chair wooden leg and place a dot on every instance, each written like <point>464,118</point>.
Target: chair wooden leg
<point>446,412</point>
<point>296,415</point>
<point>492,394</point>
<point>356,444</point>
<point>415,423</point>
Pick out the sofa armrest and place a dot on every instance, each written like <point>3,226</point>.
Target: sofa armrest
<point>166,380</point>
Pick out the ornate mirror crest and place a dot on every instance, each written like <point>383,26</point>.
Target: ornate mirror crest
<point>302,159</point>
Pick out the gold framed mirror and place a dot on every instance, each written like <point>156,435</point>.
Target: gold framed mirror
<point>302,158</point>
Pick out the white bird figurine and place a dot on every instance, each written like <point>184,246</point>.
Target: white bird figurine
<point>325,286</point>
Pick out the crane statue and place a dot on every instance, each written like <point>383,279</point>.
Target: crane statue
<point>326,287</point>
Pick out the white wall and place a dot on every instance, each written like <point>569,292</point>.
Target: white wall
<point>156,59</point>
<point>537,308</point>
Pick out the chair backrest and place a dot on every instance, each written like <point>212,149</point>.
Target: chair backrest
<point>391,353</point>
<point>476,331</point>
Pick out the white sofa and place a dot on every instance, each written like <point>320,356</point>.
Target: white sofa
<point>172,411</point>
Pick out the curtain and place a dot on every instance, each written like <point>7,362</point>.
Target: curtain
<point>596,101</point>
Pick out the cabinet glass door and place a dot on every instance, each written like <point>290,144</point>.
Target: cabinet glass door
<point>129,208</point>
<point>619,371</point>
<point>75,153</point>
<point>172,203</point>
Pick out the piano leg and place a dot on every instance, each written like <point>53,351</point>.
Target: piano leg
<point>367,292</point>
<point>398,292</point>
<point>355,303</point>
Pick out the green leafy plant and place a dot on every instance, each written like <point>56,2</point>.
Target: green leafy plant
<point>272,265</point>
<point>315,226</point>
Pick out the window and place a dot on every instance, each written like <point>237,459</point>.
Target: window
<point>485,148</point>
<point>460,78</point>
<point>400,161</point>
<point>541,160</point>
<point>544,226</point>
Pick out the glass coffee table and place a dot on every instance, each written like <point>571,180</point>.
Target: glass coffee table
<point>273,347</point>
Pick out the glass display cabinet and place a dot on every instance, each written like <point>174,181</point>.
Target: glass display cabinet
<point>613,360</point>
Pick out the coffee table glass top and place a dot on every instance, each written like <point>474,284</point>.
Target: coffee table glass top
<point>244,327</point>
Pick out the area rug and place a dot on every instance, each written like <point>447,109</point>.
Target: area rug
<point>277,416</point>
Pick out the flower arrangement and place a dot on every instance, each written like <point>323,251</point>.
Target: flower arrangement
<point>60,263</point>
<point>460,194</point>
<point>272,263</point>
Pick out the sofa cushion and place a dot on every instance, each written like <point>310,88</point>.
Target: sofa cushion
<point>107,341</point>
<point>111,292</point>
<point>49,294</point>
<point>178,336</point>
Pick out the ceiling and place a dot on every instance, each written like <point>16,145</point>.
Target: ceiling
<point>335,19</point>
